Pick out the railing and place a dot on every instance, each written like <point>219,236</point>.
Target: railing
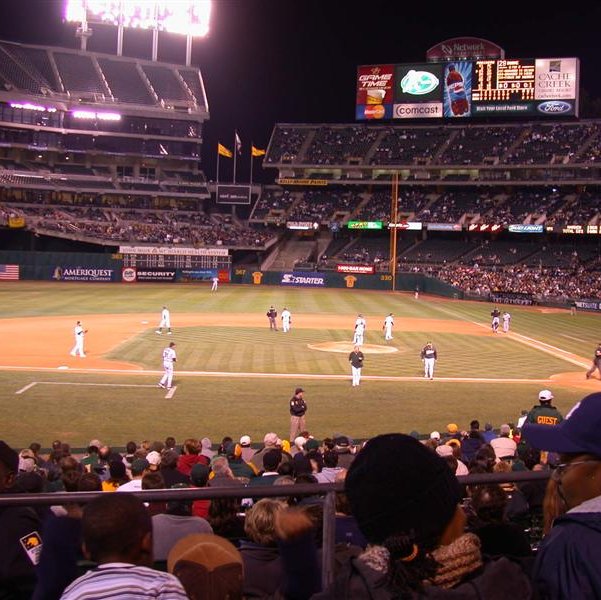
<point>305,489</point>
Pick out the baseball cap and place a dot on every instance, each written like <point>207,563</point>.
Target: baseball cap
<point>153,458</point>
<point>452,428</point>
<point>312,444</point>
<point>435,435</point>
<point>298,390</point>
<point>545,395</point>
<point>578,433</point>
<point>208,566</point>
<point>300,441</point>
<point>270,439</point>
<point>245,440</point>
<point>444,450</point>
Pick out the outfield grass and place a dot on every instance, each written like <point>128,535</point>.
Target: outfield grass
<point>218,406</point>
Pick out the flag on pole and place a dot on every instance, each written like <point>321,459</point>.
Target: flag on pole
<point>256,152</point>
<point>238,143</point>
<point>221,149</point>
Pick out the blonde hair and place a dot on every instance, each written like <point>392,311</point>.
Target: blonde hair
<point>259,524</point>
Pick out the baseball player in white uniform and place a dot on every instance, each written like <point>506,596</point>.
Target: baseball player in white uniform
<point>79,333</point>
<point>165,321</point>
<point>286,320</point>
<point>169,358</point>
<point>360,325</point>
<point>215,281</point>
<point>388,323</point>
<point>506,321</point>
<point>429,356</point>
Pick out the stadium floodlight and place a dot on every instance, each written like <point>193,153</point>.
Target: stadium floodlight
<point>185,17</point>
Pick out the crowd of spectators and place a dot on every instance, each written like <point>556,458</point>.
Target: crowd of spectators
<point>404,516</point>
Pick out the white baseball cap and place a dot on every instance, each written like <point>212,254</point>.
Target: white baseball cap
<point>545,395</point>
<point>245,440</point>
<point>435,435</point>
<point>154,458</point>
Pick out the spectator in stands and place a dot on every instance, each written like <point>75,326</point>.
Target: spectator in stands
<point>208,566</point>
<point>330,469</point>
<point>226,519</point>
<point>138,468</point>
<point>153,480</point>
<point>544,413</point>
<point>497,535</point>
<point>117,476</point>
<point>171,475</point>
<point>190,456</point>
<point>568,563</point>
<point>17,523</point>
<point>270,442</point>
<point>199,475</point>
<point>271,462</point>
<point>488,434</point>
<point>207,445</point>
<point>406,502</point>
<point>239,467</point>
<point>343,446</point>
<point>117,534</point>
<point>504,446</point>
<point>263,572</point>
<point>175,523</point>
<point>472,442</point>
<point>245,445</point>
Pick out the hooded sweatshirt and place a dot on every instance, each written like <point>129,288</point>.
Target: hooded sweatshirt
<point>568,562</point>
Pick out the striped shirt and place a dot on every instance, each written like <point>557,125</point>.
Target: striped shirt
<point>126,582</point>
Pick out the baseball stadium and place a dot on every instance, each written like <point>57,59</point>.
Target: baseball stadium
<point>108,216</point>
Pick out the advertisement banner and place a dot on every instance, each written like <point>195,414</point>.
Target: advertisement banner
<point>375,84</point>
<point>588,304</point>
<point>464,47</point>
<point>526,228</point>
<point>421,82</point>
<point>83,274</point>
<point>301,225</point>
<point>373,111</point>
<point>457,89</point>
<point>484,228</point>
<point>512,298</point>
<point>556,78</point>
<point>132,274</point>
<point>424,110</point>
<point>303,279</point>
<point>192,275</point>
<point>444,227</point>
<point>233,194</point>
<point>363,269</point>
<point>408,225</point>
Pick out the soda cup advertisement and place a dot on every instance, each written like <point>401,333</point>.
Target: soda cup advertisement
<point>457,89</point>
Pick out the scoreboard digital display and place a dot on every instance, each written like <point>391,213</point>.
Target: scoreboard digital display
<point>467,89</point>
<point>503,80</point>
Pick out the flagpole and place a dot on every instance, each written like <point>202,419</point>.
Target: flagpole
<point>250,186</point>
<point>217,165</point>
<point>235,152</point>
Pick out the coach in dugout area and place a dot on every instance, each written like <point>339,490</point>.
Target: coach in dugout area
<point>544,413</point>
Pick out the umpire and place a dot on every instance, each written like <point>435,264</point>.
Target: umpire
<point>298,408</point>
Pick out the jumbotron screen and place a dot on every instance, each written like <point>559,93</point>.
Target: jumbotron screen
<point>544,87</point>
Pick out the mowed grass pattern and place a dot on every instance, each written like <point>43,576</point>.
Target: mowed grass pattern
<point>230,405</point>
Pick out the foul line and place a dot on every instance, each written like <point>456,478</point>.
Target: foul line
<point>527,341</point>
<point>249,375</point>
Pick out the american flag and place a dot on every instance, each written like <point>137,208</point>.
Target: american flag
<point>9,272</point>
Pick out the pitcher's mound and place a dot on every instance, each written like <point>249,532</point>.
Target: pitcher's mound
<point>347,347</point>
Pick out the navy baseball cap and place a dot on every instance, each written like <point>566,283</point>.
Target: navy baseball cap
<point>577,434</point>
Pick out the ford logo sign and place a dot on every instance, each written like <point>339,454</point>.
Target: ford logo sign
<point>556,107</point>
<point>418,83</point>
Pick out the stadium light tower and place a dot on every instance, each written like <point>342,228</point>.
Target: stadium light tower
<point>184,17</point>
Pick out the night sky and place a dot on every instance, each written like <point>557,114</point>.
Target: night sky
<point>294,61</point>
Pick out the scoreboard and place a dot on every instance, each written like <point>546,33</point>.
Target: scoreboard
<point>503,80</point>
<point>541,87</point>
<point>167,257</point>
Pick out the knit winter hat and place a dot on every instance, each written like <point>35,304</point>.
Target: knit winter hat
<point>397,485</point>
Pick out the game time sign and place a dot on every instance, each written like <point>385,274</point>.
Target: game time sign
<point>544,87</point>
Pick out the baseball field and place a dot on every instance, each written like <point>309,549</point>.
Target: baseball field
<point>234,376</point>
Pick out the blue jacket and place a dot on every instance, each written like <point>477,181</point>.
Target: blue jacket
<point>568,562</point>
